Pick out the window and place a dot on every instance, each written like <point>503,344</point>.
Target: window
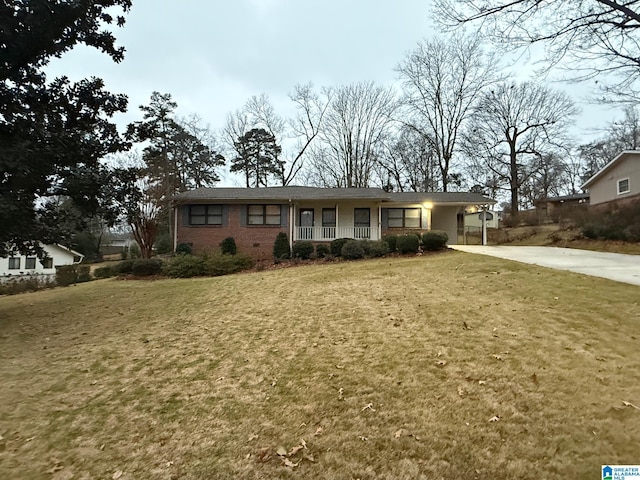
<point>14,263</point>
<point>328,217</point>
<point>30,263</point>
<point>205,214</point>
<point>623,186</point>
<point>403,217</point>
<point>47,262</point>
<point>361,217</point>
<point>264,214</point>
<point>361,222</point>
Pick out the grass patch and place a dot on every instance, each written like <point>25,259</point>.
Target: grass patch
<point>388,368</point>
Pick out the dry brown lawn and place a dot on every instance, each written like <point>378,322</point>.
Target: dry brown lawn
<point>450,366</point>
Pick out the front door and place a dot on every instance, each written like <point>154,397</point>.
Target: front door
<point>306,223</point>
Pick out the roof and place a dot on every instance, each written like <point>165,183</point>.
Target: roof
<point>565,198</point>
<point>623,155</point>
<point>455,198</point>
<point>316,193</point>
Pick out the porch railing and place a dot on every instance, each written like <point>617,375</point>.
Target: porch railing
<point>322,234</point>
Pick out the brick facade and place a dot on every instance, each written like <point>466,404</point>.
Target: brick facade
<point>256,241</point>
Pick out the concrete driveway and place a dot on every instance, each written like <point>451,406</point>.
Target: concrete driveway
<point>614,266</point>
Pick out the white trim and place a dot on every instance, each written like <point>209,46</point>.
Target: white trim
<point>618,185</point>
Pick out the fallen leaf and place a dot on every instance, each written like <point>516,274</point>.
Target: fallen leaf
<point>309,457</point>
<point>281,451</point>
<point>399,433</point>
<point>303,443</point>
<point>482,382</point>
<point>252,437</point>
<point>318,431</point>
<point>627,404</point>
<point>498,357</point>
<point>290,464</point>
<point>117,474</point>
<point>340,393</point>
<point>494,419</point>
<point>340,366</point>
<point>441,363</point>
<point>264,455</point>
<point>364,439</point>
<point>368,406</point>
<point>295,450</point>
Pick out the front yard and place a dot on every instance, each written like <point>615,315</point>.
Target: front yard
<point>448,366</point>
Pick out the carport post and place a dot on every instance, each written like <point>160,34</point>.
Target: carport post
<point>484,224</point>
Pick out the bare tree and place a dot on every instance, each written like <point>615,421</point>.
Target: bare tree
<point>548,180</point>
<point>409,162</point>
<point>594,36</point>
<point>295,134</point>
<point>442,79</point>
<point>512,127</point>
<point>356,124</point>
<point>620,135</point>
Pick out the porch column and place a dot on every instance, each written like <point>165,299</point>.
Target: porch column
<point>426,217</point>
<point>292,226</point>
<point>379,221</point>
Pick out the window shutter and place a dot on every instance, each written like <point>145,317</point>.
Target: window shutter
<point>384,218</point>
<point>243,215</point>
<point>225,215</point>
<point>284,215</point>
<point>184,213</point>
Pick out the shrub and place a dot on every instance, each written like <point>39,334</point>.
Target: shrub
<point>281,249</point>
<point>375,248</point>
<point>187,266</point>
<point>184,249</point>
<point>69,274</point>
<point>322,250</point>
<point>134,251</point>
<point>224,264</point>
<point>228,246</point>
<point>124,268</point>
<point>614,223</point>
<point>434,240</point>
<point>303,250</point>
<point>163,244</point>
<point>25,284</point>
<point>391,241</point>
<point>336,246</point>
<point>407,243</point>
<point>145,267</point>
<point>104,272</point>
<point>352,250</point>
<point>84,273</point>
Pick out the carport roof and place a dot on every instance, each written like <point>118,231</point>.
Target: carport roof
<point>297,193</point>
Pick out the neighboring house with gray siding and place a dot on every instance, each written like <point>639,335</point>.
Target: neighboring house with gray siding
<point>254,216</point>
<point>618,181</point>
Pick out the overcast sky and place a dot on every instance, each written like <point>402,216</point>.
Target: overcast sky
<point>212,55</point>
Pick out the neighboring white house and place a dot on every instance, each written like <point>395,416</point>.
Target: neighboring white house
<point>21,266</point>
<point>473,218</point>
